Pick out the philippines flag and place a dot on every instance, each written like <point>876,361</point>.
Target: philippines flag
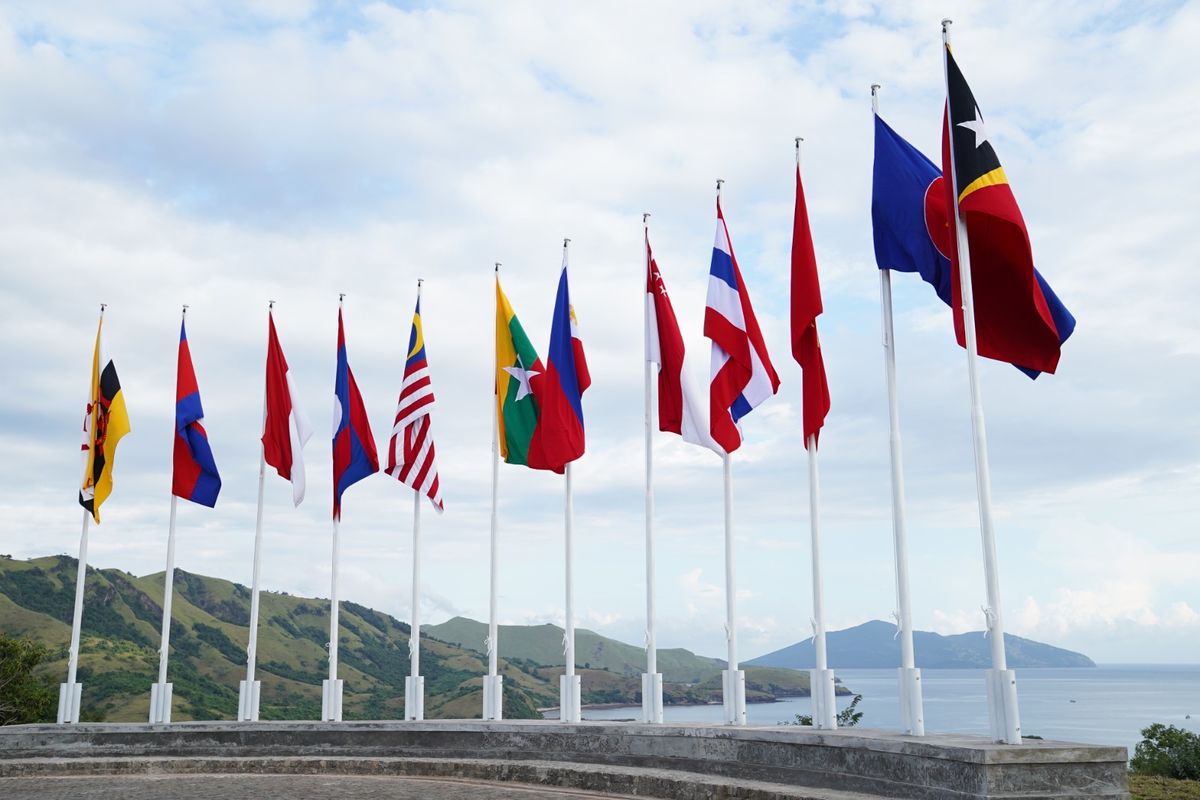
<point>558,437</point>
<point>354,455</point>
<point>411,456</point>
<point>742,375</point>
<point>194,475</point>
<point>285,427</point>
<point>680,409</point>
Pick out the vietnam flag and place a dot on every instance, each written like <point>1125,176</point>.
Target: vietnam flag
<point>1013,320</point>
<point>806,307</point>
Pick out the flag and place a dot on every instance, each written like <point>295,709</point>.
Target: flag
<point>913,224</point>
<point>518,371</point>
<point>285,427</point>
<point>1014,321</point>
<point>558,437</point>
<point>411,456</point>
<point>680,410</point>
<point>104,423</point>
<point>806,307</point>
<point>194,476</point>
<point>742,375</point>
<point>354,455</point>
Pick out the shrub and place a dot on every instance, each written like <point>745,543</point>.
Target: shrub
<point>23,697</point>
<point>848,717</point>
<point>1167,751</point>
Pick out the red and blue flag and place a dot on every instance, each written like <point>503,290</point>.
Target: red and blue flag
<point>194,475</point>
<point>354,455</point>
<point>558,437</point>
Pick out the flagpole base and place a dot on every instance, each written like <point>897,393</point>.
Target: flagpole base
<point>414,698</point>
<point>1002,706</point>
<point>652,697</point>
<point>569,698</point>
<point>824,699</point>
<point>493,697</point>
<point>733,692</point>
<point>68,702</point>
<point>331,700</point>
<point>160,703</point>
<point>248,693</point>
<point>912,705</point>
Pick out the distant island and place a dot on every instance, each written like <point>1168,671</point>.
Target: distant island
<point>873,645</point>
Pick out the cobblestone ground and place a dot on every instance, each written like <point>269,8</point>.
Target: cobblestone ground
<point>268,787</point>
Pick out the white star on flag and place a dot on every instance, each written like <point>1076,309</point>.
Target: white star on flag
<point>976,125</point>
<point>522,375</point>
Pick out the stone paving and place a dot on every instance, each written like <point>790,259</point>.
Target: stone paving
<point>268,787</point>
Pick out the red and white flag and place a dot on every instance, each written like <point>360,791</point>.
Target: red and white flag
<point>411,456</point>
<point>285,428</point>
<point>680,407</point>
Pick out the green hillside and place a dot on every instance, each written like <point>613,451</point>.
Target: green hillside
<point>543,644</point>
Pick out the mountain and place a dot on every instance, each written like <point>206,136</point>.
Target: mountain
<point>874,645</point>
<point>543,644</point>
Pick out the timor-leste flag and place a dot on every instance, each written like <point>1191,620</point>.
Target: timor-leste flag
<point>518,372</point>
<point>1013,320</point>
<point>104,423</point>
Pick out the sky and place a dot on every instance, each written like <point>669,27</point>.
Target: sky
<point>224,155</point>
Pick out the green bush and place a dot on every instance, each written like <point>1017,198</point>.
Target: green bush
<point>24,698</point>
<point>1167,751</point>
<point>848,717</point>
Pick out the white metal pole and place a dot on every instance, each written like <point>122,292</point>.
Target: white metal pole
<point>821,682</point>
<point>492,690</point>
<point>248,701</point>
<point>734,679</point>
<point>160,694</point>
<point>912,711</point>
<point>1006,726</point>
<point>68,701</point>
<point>652,680</point>
<point>569,690</point>
<point>414,702</point>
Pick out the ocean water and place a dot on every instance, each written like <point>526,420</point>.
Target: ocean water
<point>1106,705</point>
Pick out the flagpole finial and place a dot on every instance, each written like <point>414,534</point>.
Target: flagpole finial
<point>419,282</point>
<point>270,304</point>
<point>719,182</point>
<point>185,308</point>
<point>645,216</point>
<point>102,307</point>
<point>565,241</point>
<point>875,87</point>
<point>341,297</point>
<point>497,267</point>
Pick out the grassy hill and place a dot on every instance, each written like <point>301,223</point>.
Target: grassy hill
<point>543,644</point>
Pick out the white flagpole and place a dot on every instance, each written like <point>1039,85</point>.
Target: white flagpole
<point>331,688</point>
<point>248,692</point>
<point>1002,682</point>
<point>70,692</point>
<point>652,704</point>
<point>912,707</point>
<point>414,686</point>
<point>493,691</point>
<point>569,685</point>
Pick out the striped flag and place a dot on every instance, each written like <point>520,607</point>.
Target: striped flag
<point>742,375</point>
<point>412,459</point>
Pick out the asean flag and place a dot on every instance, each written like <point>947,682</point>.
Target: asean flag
<point>194,475</point>
<point>285,427</point>
<point>354,456</point>
<point>558,438</point>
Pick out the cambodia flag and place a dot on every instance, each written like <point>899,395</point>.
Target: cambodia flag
<point>806,307</point>
<point>913,224</point>
<point>285,427</point>
<point>194,476</point>
<point>558,437</point>
<point>354,455</point>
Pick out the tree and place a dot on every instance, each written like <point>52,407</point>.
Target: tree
<point>24,697</point>
<point>1167,751</point>
<point>848,717</point>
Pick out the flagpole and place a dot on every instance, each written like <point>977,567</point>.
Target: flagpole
<point>1002,682</point>
<point>331,689</point>
<point>569,685</point>
<point>493,691</point>
<point>414,686</point>
<point>248,692</point>
<point>652,704</point>
<point>733,689</point>
<point>70,692</point>
<point>912,711</point>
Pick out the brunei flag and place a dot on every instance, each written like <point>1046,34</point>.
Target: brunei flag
<point>1013,319</point>
<point>519,374</point>
<point>104,423</point>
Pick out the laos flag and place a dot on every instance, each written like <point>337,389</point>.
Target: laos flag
<point>354,455</point>
<point>194,475</point>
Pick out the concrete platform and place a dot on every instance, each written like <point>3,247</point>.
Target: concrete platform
<point>666,761</point>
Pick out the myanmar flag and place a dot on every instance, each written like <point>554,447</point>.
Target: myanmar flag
<point>518,372</point>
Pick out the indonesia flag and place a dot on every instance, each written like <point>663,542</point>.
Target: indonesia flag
<point>285,427</point>
<point>679,407</point>
<point>742,375</point>
<point>412,459</point>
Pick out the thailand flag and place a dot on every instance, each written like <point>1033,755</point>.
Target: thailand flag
<point>194,476</point>
<point>285,427</point>
<point>558,437</point>
<point>680,409</point>
<point>742,375</point>
<point>354,455</point>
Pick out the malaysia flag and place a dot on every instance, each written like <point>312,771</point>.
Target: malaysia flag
<point>680,409</point>
<point>354,455</point>
<point>742,375</point>
<point>194,475</point>
<point>285,427</point>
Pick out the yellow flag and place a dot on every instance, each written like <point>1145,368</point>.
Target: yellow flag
<point>105,422</point>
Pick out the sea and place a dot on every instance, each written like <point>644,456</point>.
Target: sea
<point>1109,704</point>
